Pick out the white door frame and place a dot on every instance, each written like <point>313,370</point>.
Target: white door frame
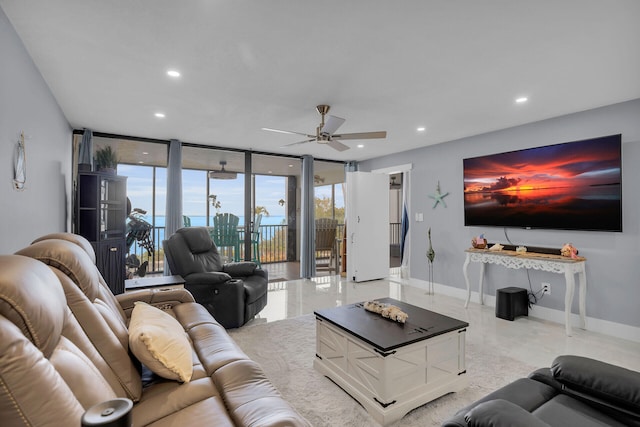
<point>405,271</point>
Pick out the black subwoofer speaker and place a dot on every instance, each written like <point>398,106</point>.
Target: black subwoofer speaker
<point>511,302</point>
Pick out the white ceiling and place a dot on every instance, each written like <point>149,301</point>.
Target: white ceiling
<point>454,66</point>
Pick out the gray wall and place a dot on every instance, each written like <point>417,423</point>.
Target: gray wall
<point>613,259</point>
<point>27,104</point>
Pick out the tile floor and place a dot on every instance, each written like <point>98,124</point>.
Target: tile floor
<point>530,340</point>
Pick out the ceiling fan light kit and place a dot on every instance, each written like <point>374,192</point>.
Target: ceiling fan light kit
<point>325,132</point>
<point>222,173</point>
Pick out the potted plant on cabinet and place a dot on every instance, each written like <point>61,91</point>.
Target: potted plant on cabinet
<point>106,160</point>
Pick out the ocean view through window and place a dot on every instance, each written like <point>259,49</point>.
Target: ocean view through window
<point>146,191</point>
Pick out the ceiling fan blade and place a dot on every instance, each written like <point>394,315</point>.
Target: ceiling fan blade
<point>289,132</point>
<point>331,124</point>
<point>299,142</point>
<point>337,145</point>
<point>362,135</point>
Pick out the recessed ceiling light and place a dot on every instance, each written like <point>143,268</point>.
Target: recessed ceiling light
<point>173,73</point>
<point>421,129</point>
<point>140,162</point>
<point>522,99</point>
<point>290,166</point>
<point>145,152</point>
<point>360,145</point>
<point>160,115</point>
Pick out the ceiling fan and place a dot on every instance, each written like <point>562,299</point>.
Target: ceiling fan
<point>325,132</point>
<point>222,173</point>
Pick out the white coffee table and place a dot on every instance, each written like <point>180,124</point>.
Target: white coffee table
<point>391,368</point>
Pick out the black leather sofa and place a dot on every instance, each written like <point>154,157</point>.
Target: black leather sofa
<point>233,293</point>
<point>575,391</point>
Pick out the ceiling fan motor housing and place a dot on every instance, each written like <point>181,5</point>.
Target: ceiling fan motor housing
<point>323,109</point>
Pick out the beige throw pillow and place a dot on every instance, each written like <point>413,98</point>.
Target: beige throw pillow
<point>160,342</point>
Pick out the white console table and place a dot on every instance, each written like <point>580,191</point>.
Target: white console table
<point>552,263</point>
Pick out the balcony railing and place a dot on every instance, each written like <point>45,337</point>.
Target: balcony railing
<point>272,245</point>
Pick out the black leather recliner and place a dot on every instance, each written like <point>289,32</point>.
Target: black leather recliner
<point>575,391</point>
<point>233,293</point>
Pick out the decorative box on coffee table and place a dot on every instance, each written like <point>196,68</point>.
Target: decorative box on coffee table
<point>390,367</point>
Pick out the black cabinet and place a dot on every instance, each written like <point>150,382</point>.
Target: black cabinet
<point>100,217</point>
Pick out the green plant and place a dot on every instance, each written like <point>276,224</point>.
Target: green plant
<point>215,202</point>
<point>262,210</point>
<point>106,158</point>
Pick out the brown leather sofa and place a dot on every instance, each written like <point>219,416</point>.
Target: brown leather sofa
<point>64,347</point>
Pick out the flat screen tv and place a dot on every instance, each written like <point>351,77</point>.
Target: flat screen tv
<point>570,186</point>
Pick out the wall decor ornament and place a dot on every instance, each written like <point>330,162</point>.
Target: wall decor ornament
<point>439,197</point>
<point>431,255</point>
<point>20,165</point>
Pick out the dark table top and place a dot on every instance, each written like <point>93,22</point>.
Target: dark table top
<point>384,334</point>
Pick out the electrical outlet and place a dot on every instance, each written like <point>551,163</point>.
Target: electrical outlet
<point>546,288</point>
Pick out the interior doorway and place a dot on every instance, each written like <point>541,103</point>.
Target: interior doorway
<point>395,219</point>
<point>402,189</point>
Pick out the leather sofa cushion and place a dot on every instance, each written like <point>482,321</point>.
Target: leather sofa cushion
<point>73,260</point>
<point>523,392</point>
<point>31,303</point>
<point>608,382</point>
<point>73,238</point>
<point>251,398</point>
<point>171,404</point>
<point>95,308</point>
<point>197,242</point>
<point>501,413</point>
<point>190,250</point>
<point>160,343</point>
<point>45,377</point>
<point>70,259</point>
<point>565,411</point>
<point>213,345</point>
<point>26,379</point>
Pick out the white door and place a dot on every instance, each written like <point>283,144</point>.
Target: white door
<point>367,226</point>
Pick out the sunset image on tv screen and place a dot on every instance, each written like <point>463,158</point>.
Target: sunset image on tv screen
<point>575,186</point>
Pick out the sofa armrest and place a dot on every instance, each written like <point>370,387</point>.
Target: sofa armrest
<point>161,298</point>
<point>545,376</point>
<point>240,269</point>
<point>501,413</point>
<point>523,392</point>
<point>604,382</point>
<point>208,278</point>
<point>225,301</point>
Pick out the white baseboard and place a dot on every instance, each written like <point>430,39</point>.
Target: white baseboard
<point>618,330</point>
